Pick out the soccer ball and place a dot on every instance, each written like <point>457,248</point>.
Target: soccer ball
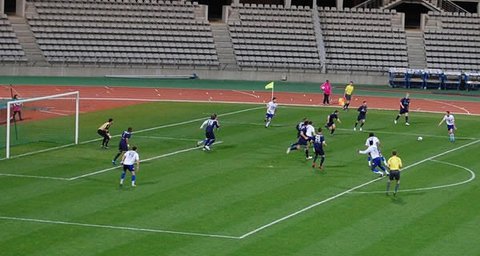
<point>419,138</point>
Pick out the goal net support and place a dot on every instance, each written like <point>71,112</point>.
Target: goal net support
<point>48,122</point>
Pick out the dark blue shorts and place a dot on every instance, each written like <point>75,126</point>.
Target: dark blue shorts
<point>361,117</point>
<point>128,167</point>
<point>403,111</point>
<point>123,146</point>
<point>210,135</point>
<point>450,127</point>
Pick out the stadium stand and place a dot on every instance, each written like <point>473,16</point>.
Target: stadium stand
<point>452,41</point>
<point>107,32</point>
<point>274,37</point>
<point>10,48</point>
<point>362,40</point>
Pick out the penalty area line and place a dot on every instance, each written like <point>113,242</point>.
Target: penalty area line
<point>347,192</point>
<point>141,161</point>
<point>150,230</point>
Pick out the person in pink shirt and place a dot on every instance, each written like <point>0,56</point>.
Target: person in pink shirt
<point>16,109</point>
<point>327,91</point>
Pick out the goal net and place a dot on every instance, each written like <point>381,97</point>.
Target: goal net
<point>39,124</point>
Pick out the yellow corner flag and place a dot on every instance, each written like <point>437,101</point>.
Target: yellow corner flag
<point>269,85</point>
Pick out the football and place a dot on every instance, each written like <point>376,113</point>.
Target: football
<point>420,138</point>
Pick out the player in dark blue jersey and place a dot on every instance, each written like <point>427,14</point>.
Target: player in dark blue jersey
<point>362,115</point>
<point>404,106</point>
<point>331,121</point>
<point>300,125</point>
<point>318,144</point>
<point>210,125</point>
<point>124,144</point>
<point>303,140</point>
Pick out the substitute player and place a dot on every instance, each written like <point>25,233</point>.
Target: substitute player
<point>348,95</point>
<point>449,119</point>
<point>129,160</point>
<point>103,131</point>
<point>362,116</point>
<point>271,109</point>
<point>395,165</point>
<point>404,106</point>
<point>318,144</point>
<point>210,125</point>
<point>123,145</point>
<point>331,121</point>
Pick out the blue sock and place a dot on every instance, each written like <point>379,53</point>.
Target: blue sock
<point>134,177</point>
<point>123,175</point>
<point>211,142</point>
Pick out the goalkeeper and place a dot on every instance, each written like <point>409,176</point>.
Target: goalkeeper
<point>123,145</point>
<point>104,132</point>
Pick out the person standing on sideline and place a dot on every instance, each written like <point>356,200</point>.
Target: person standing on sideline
<point>129,160</point>
<point>394,164</point>
<point>103,131</point>
<point>318,144</point>
<point>16,109</point>
<point>404,106</point>
<point>327,91</point>
<point>450,121</point>
<point>331,121</point>
<point>123,145</point>
<point>348,95</point>
<point>210,125</point>
<point>271,108</point>
<point>362,115</point>
<point>376,159</point>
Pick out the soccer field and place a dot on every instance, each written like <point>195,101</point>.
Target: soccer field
<point>246,196</point>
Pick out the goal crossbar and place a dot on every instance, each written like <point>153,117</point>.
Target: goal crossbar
<point>76,94</point>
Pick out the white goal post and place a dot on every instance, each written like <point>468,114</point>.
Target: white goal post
<point>72,95</point>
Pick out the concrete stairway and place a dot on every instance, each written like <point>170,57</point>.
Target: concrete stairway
<point>223,44</point>
<point>416,49</point>
<point>27,40</point>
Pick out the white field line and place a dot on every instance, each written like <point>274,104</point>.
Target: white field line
<point>176,124</point>
<point>472,177</point>
<point>407,134</point>
<point>143,160</point>
<point>32,176</point>
<point>165,138</point>
<point>451,105</point>
<point>348,191</point>
<point>117,227</point>
<point>247,93</point>
<point>52,112</point>
<point>139,131</point>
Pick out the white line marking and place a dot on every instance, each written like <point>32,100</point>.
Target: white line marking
<point>405,133</point>
<point>451,105</point>
<point>52,112</point>
<point>165,138</point>
<point>472,177</point>
<point>117,227</point>
<point>246,93</point>
<point>144,160</point>
<point>32,176</point>
<point>347,191</point>
<point>139,131</point>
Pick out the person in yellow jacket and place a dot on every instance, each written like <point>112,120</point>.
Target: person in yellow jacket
<point>348,95</point>
<point>395,165</point>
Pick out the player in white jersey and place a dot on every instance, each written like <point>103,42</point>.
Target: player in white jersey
<point>310,133</point>
<point>271,109</point>
<point>449,119</point>
<point>129,159</point>
<point>372,138</point>
<point>374,153</point>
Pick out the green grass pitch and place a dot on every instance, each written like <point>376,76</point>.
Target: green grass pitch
<point>246,196</point>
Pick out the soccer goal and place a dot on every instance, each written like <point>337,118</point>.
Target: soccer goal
<point>43,124</point>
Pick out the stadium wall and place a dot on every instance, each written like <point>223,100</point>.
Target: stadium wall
<point>359,78</point>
